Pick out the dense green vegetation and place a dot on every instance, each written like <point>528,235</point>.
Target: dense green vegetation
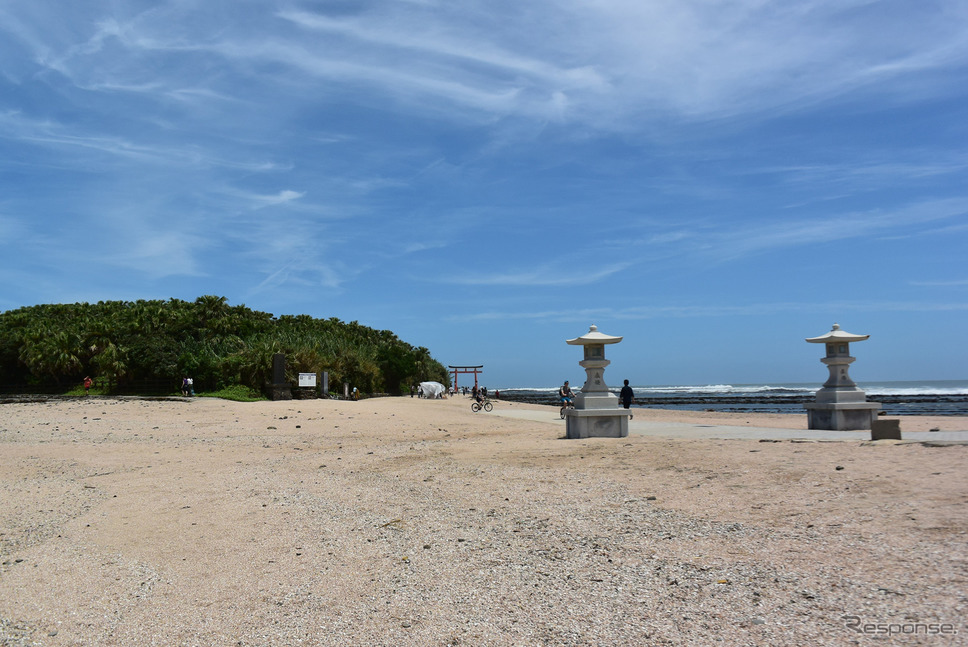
<point>237,392</point>
<point>123,344</point>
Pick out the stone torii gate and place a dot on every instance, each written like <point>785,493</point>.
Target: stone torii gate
<point>461,370</point>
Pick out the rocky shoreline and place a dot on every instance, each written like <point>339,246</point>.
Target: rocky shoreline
<point>933,405</point>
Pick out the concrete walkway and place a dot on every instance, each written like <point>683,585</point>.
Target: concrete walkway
<point>690,430</point>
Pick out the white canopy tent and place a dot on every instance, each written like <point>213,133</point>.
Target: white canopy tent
<point>433,389</point>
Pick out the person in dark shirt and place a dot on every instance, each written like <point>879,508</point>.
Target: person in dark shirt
<point>626,395</point>
<point>565,394</point>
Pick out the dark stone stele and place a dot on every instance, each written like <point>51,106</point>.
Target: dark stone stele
<point>886,430</point>
<point>278,368</point>
<point>279,389</point>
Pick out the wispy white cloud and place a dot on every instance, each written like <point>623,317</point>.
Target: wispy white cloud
<point>694,59</point>
<point>755,237</point>
<point>730,57</point>
<point>603,64</point>
<point>284,196</point>
<point>159,254</point>
<point>14,125</point>
<point>705,311</point>
<point>546,275</point>
<point>296,275</point>
<point>64,137</point>
<point>867,173</point>
<point>437,42</point>
<point>11,229</point>
<point>957,283</point>
<point>668,237</point>
<point>422,246</point>
<point>711,238</point>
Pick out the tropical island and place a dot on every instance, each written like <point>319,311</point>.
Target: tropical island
<point>147,346</point>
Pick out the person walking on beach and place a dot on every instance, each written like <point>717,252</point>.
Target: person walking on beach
<point>87,385</point>
<point>626,395</point>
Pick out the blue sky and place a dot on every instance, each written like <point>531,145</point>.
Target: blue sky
<point>715,180</point>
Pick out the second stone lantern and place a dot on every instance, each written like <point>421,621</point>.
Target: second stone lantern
<point>596,413</point>
<point>840,404</point>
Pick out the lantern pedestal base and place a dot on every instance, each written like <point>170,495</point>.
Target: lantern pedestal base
<point>597,423</point>
<point>841,416</point>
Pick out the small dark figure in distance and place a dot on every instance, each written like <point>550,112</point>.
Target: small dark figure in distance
<point>626,395</point>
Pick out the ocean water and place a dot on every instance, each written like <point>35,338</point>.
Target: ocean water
<point>937,398</point>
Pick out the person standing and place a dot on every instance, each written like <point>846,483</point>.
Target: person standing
<point>626,395</point>
<point>87,385</point>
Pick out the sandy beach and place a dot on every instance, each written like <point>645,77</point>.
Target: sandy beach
<point>402,521</point>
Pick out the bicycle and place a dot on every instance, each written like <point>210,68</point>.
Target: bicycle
<point>566,406</point>
<point>477,406</point>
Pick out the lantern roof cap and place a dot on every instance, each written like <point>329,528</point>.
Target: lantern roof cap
<point>593,337</point>
<point>836,335</point>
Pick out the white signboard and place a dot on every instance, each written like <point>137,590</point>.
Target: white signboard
<point>307,379</point>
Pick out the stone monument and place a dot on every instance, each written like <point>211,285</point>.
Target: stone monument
<point>279,389</point>
<point>596,413</point>
<point>840,404</point>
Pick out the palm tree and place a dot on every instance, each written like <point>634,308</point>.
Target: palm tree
<point>51,353</point>
<point>111,363</point>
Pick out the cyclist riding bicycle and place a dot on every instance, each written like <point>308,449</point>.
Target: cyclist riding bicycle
<point>565,394</point>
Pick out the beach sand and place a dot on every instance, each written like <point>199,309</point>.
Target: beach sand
<point>402,521</point>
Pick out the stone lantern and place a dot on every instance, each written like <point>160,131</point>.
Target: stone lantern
<point>596,412</point>
<point>840,404</point>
